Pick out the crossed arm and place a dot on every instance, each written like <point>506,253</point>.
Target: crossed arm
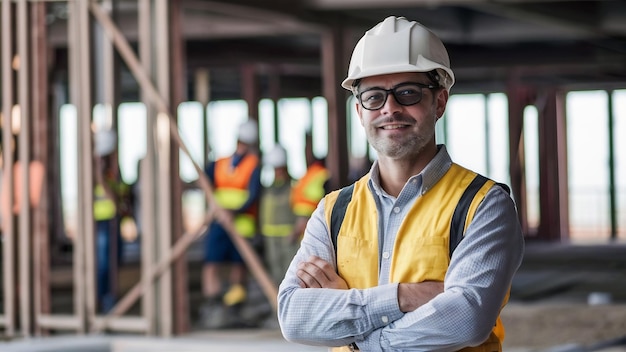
<point>315,308</point>
<point>318,273</point>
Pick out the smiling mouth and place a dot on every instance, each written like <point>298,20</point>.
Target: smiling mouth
<point>393,127</point>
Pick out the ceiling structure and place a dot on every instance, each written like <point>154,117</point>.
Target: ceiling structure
<point>569,44</point>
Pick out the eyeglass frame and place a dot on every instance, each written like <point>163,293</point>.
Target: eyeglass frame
<point>392,90</point>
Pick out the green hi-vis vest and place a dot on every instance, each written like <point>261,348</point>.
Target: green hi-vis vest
<point>275,213</point>
<point>103,207</point>
<point>433,227</point>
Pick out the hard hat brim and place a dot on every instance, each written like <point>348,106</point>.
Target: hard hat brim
<point>347,83</point>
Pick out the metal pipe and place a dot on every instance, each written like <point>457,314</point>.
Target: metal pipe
<point>75,99</point>
<point>147,176</point>
<point>25,250</point>
<point>7,218</point>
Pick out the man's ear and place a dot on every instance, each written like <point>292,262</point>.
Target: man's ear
<point>442,101</point>
<point>359,112</point>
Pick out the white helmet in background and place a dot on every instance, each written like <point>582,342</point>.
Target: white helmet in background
<point>104,142</point>
<point>277,157</point>
<point>248,132</point>
<point>399,45</point>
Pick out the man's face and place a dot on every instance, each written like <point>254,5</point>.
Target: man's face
<point>399,131</point>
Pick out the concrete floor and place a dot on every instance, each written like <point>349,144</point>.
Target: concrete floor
<point>549,311</point>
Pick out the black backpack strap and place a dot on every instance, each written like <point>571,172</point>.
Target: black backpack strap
<point>457,226</point>
<point>339,212</point>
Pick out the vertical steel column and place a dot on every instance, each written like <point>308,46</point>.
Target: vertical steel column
<point>147,179</point>
<point>178,82</point>
<point>250,89</point>
<point>24,252</point>
<point>550,173</point>
<point>40,154</point>
<point>8,253</point>
<point>561,141</point>
<point>85,156</point>
<point>518,97</point>
<point>612,184</point>
<point>80,86</point>
<point>160,27</point>
<point>274,93</point>
<point>333,64</point>
<point>202,89</point>
<point>487,136</point>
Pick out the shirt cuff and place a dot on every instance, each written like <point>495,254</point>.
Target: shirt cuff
<point>383,310</point>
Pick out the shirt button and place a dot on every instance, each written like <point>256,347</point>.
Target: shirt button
<point>385,319</point>
<point>396,210</point>
<point>386,255</point>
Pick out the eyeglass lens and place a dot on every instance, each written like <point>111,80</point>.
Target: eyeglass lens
<point>405,94</point>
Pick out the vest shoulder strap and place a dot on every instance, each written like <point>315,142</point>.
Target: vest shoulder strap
<point>339,212</point>
<point>457,225</point>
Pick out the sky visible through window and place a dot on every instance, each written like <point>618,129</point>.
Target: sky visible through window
<point>474,129</point>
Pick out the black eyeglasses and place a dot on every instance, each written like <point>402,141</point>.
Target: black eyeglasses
<point>406,94</point>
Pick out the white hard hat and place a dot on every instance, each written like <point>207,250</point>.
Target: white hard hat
<point>277,157</point>
<point>248,132</point>
<point>399,45</point>
<point>104,142</point>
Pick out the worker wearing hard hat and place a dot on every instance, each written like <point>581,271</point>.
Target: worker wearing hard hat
<point>276,216</point>
<point>419,254</point>
<point>237,184</point>
<point>111,202</point>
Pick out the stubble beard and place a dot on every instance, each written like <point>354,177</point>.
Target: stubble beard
<point>406,147</point>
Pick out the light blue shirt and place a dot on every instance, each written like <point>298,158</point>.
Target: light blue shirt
<point>476,283</point>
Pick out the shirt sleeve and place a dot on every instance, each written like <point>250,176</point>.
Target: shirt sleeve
<point>254,190</point>
<point>330,317</point>
<point>475,287</point>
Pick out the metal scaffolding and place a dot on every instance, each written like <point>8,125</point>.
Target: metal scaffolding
<point>27,310</point>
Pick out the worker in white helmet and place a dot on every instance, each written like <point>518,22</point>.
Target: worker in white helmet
<point>237,184</point>
<point>382,266</point>
<point>276,216</point>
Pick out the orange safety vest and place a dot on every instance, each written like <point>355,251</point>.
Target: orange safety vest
<point>309,190</point>
<point>231,190</point>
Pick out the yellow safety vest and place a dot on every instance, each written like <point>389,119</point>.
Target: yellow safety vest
<point>425,230</point>
<point>275,214</point>
<point>309,190</point>
<point>103,206</point>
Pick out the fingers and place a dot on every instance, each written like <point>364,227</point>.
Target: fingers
<point>312,273</point>
<point>318,273</point>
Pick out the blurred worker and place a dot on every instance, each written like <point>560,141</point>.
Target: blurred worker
<point>111,202</point>
<point>309,189</point>
<point>36,173</point>
<point>237,184</point>
<point>276,216</point>
<point>419,254</point>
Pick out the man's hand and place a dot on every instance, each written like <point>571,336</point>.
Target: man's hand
<point>318,273</point>
<point>413,295</point>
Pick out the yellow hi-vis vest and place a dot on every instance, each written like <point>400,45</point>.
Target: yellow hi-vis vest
<point>103,207</point>
<point>309,190</point>
<point>275,213</point>
<point>426,230</point>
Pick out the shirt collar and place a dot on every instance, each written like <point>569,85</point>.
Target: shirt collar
<point>431,174</point>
